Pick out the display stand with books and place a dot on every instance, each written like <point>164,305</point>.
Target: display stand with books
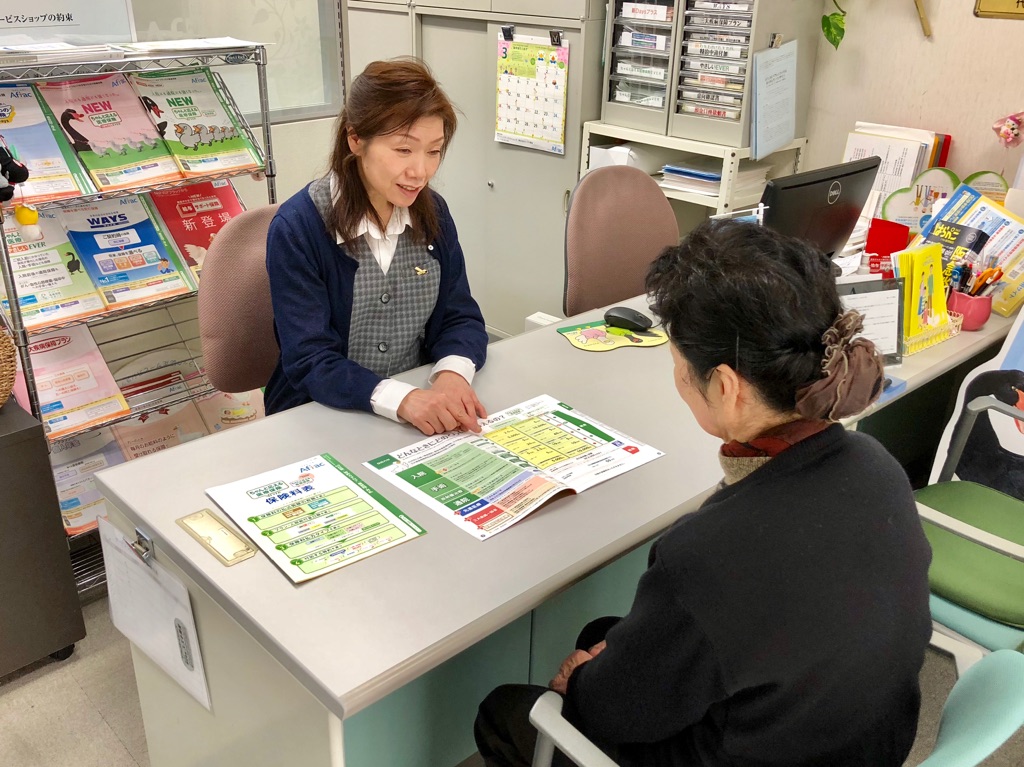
<point>127,204</point>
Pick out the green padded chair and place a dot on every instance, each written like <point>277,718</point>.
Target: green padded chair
<point>977,539</point>
<point>984,708</point>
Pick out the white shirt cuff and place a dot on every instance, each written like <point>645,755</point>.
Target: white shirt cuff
<point>387,398</point>
<point>462,365</point>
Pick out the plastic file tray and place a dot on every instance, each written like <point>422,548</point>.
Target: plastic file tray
<point>638,93</point>
<point>704,109</point>
<point>642,65</point>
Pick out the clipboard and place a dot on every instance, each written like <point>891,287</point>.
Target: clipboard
<point>151,607</point>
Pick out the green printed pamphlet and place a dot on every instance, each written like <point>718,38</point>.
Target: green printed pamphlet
<point>313,516</point>
<point>525,456</point>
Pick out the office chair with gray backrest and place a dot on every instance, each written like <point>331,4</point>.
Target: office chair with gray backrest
<point>236,319</point>
<point>619,221</point>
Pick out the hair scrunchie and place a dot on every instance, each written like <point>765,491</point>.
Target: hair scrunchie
<point>852,373</point>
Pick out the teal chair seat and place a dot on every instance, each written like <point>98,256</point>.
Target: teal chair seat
<point>983,710</point>
<point>964,573</point>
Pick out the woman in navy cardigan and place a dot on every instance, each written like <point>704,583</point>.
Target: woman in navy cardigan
<point>367,276</point>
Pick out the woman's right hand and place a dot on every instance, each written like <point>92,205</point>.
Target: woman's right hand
<point>435,411</point>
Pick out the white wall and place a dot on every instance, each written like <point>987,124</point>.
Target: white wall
<point>958,82</point>
<point>301,152</point>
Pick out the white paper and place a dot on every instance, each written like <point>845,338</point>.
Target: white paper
<point>773,123</point>
<point>881,310</point>
<point>109,21</point>
<point>151,607</point>
<point>900,161</point>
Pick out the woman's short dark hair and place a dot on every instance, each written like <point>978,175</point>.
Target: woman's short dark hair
<point>743,295</point>
<point>387,97</point>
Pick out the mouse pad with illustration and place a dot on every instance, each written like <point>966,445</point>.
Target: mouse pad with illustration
<point>599,337</point>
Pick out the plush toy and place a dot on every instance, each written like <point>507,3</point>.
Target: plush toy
<point>1009,129</point>
<point>11,172</point>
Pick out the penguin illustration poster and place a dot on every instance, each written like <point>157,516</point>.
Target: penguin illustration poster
<point>190,111</point>
<point>107,126</point>
<point>994,454</point>
<point>34,138</point>
<point>52,285</point>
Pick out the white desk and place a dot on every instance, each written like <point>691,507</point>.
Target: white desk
<point>925,366</point>
<point>287,664</point>
<point>344,641</point>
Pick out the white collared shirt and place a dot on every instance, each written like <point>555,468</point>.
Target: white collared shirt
<point>387,396</point>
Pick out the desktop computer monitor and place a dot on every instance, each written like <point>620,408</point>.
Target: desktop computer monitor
<point>821,206</point>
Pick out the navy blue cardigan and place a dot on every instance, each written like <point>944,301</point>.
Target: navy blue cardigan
<point>311,279</point>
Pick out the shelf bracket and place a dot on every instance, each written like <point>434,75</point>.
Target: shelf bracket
<point>142,546</point>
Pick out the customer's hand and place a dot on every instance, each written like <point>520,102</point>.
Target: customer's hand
<point>440,409</point>
<point>560,683</point>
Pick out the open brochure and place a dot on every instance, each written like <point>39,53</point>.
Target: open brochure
<point>313,516</point>
<point>526,455</point>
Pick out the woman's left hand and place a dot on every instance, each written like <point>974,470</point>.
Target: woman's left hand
<point>458,388</point>
<point>560,683</point>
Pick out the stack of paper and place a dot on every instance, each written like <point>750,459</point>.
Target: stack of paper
<point>703,175</point>
<point>904,152</point>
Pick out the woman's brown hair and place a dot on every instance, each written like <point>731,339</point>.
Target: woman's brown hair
<point>389,96</point>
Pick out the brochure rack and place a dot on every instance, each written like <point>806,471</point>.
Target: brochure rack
<point>86,560</point>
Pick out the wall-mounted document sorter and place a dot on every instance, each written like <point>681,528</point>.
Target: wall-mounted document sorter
<point>683,67</point>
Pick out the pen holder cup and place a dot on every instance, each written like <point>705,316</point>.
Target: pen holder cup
<point>975,309</point>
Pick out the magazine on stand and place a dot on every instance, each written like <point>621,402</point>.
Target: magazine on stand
<point>76,389</point>
<point>74,462</point>
<point>193,215</point>
<point>190,112</point>
<point>108,127</point>
<point>52,285</point>
<point>29,132</point>
<point>124,252</point>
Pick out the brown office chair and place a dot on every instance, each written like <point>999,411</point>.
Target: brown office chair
<point>619,221</point>
<point>236,320</point>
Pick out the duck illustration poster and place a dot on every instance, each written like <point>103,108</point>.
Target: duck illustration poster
<point>994,453</point>
<point>124,252</point>
<point>31,134</point>
<point>48,275</point>
<point>192,215</point>
<point>190,112</point>
<point>107,126</point>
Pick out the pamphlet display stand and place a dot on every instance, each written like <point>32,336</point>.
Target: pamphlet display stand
<point>170,315</point>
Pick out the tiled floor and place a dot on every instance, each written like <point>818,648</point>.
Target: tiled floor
<point>84,712</point>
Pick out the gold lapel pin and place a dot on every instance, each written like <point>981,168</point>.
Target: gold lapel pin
<point>420,271</point>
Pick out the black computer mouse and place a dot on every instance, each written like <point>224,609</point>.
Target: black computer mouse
<point>627,319</point>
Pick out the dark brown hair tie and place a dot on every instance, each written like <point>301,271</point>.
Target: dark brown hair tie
<point>852,373</point>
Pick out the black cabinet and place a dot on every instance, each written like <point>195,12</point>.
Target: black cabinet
<point>40,613</point>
